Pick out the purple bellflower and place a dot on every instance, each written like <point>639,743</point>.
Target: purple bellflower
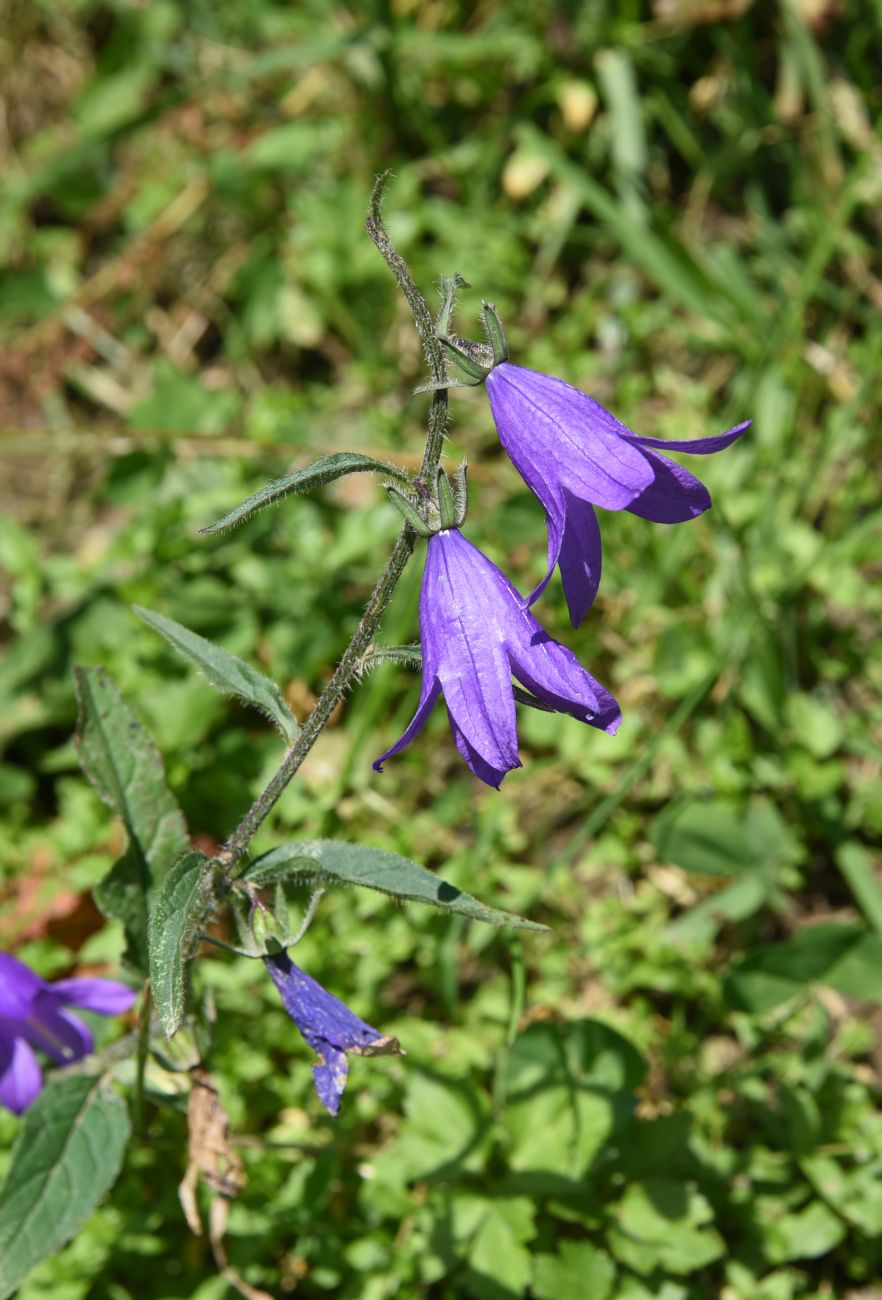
<point>476,632</point>
<point>34,1013</point>
<point>329,1027</point>
<point>574,455</point>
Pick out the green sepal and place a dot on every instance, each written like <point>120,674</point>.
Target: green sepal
<point>459,485</point>
<point>448,287</point>
<point>410,656</point>
<point>447,510</point>
<point>408,511</point>
<point>468,364</point>
<point>495,333</point>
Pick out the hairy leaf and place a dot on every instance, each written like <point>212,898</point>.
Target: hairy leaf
<point>335,862</point>
<point>311,476</point>
<point>125,768</point>
<point>177,910</point>
<point>226,671</point>
<point>67,1155</point>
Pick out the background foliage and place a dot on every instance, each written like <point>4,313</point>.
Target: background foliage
<point>675,207</point>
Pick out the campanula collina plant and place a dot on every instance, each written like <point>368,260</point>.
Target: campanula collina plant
<point>575,455</point>
<point>477,634</point>
<point>35,1013</point>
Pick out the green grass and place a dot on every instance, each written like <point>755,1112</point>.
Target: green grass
<point>675,1096</point>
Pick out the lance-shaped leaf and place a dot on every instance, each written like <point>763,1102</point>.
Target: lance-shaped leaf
<point>226,671</point>
<point>336,862</point>
<point>311,476</point>
<point>181,904</point>
<point>66,1157</point>
<point>124,765</point>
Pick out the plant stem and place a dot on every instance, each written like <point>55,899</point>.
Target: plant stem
<point>349,666</point>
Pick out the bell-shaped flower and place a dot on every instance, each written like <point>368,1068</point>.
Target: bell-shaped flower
<point>574,455</point>
<point>476,632</point>
<point>329,1027</point>
<point>33,1013</point>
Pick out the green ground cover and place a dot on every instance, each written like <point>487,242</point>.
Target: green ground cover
<point>676,208</point>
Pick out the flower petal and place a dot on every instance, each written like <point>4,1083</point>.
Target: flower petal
<point>18,987</point>
<point>330,1075</point>
<point>552,431</point>
<point>317,1013</point>
<point>105,996</point>
<point>580,558</point>
<point>478,765</point>
<point>57,1032</point>
<point>674,496</point>
<point>553,673</point>
<point>695,446</point>
<point>428,697</point>
<point>328,1026</point>
<point>20,1076</point>
<point>471,604</point>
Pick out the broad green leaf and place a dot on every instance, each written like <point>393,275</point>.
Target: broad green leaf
<point>578,1269</point>
<point>446,1129</point>
<point>226,671</point>
<point>311,476</point>
<point>66,1156</point>
<point>499,1262</point>
<point>124,765</point>
<point>663,1223</point>
<point>333,861</point>
<point>569,1090</point>
<point>178,908</point>
<point>845,957</point>
<point>862,873</point>
<point>717,839</point>
<point>805,1234</point>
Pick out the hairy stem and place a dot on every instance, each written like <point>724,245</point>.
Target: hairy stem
<point>349,666</point>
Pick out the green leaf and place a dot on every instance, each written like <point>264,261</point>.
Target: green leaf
<point>226,671</point>
<point>845,957</point>
<point>805,1234</point>
<point>861,873</point>
<point>177,910</point>
<point>663,1223</point>
<point>311,476</point>
<point>570,1089</point>
<point>333,861</point>
<point>577,1269</point>
<point>716,839</point>
<point>499,1262</point>
<point>67,1155</point>
<point>125,768</point>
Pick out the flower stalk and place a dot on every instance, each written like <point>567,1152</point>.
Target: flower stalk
<point>350,664</point>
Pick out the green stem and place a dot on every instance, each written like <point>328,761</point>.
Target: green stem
<point>349,666</point>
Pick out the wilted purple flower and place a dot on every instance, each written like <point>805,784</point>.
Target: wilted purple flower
<point>575,455</point>
<point>32,1014</point>
<point>476,632</point>
<point>327,1024</point>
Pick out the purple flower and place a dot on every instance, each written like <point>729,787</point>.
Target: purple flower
<point>33,1014</point>
<point>330,1028</point>
<point>575,455</point>
<point>476,632</point>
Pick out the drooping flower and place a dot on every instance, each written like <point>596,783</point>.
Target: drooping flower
<point>33,1013</point>
<point>574,455</point>
<point>329,1027</point>
<point>476,632</point>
